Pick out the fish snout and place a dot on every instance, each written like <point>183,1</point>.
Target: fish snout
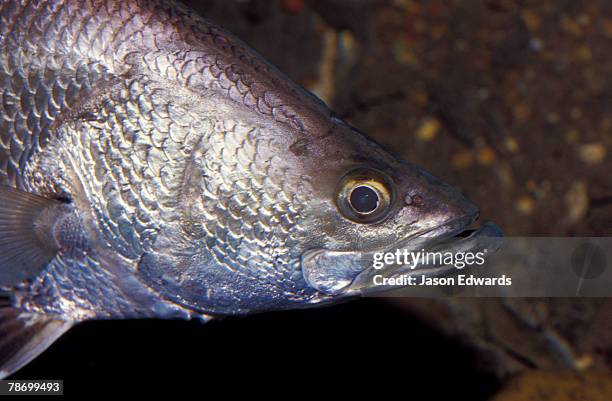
<point>434,206</point>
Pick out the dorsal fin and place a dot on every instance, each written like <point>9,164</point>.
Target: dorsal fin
<point>26,234</point>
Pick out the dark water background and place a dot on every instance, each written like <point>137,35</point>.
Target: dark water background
<point>358,348</point>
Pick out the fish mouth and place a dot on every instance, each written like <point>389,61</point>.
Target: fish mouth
<point>354,272</point>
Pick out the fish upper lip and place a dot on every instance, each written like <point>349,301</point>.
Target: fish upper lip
<point>439,233</point>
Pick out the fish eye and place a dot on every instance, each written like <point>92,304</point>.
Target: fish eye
<point>364,199</point>
<point>365,196</point>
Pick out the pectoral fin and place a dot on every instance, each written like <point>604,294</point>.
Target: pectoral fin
<point>23,337</point>
<point>26,239</point>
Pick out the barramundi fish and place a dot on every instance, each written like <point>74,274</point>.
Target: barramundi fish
<point>154,166</point>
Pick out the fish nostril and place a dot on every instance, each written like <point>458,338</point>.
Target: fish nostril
<point>416,200</point>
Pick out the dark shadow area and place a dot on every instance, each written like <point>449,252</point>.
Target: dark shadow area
<point>365,346</point>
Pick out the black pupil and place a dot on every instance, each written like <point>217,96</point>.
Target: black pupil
<point>364,199</point>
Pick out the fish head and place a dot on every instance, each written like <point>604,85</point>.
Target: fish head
<point>365,202</point>
<point>300,223</point>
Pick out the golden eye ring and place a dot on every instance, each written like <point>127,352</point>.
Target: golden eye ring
<point>365,195</point>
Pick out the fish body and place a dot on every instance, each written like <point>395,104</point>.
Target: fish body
<point>154,166</point>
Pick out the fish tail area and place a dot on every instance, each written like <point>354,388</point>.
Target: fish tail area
<point>24,336</point>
